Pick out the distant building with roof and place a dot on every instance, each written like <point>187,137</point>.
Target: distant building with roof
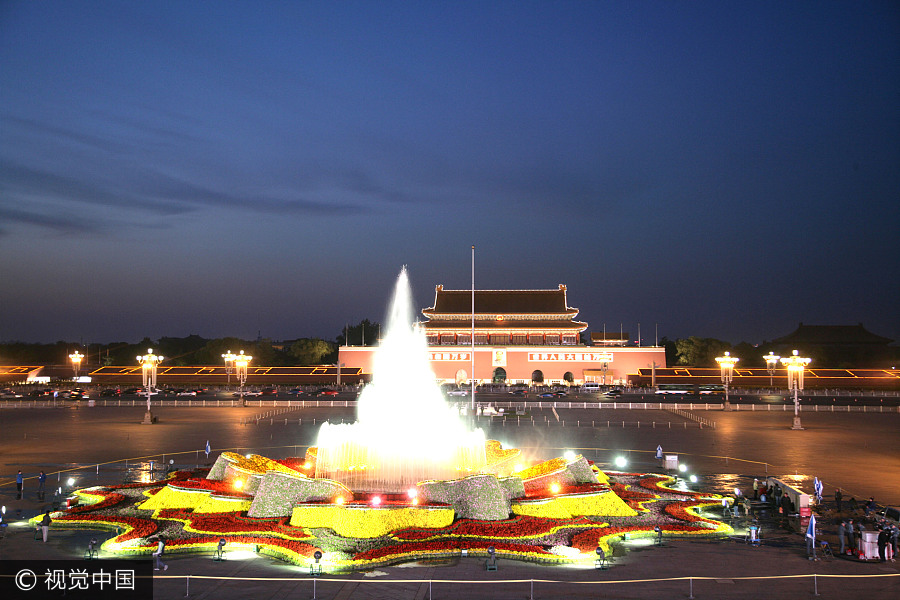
<point>520,336</point>
<point>836,345</point>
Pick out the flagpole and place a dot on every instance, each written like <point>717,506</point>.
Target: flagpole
<point>472,401</point>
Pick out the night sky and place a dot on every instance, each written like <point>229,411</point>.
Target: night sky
<point>721,169</point>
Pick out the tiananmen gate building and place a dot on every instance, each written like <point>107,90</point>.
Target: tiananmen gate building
<point>521,336</point>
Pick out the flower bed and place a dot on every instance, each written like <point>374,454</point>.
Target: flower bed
<point>292,515</point>
<point>366,521</point>
<point>565,506</point>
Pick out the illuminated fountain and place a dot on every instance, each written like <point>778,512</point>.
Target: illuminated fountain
<point>405,432</point>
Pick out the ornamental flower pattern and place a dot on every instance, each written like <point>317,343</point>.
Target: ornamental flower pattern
<point>519,537</point>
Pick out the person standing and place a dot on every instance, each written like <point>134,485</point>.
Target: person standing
<point>883,537</point>
<point>895,539</point>
<point>842,533</point>
<point>19,481</point>
<point>45,525</point>
<point>838,497</point>
<point>755,488</point>
<point>851,535</point>
<point>42,479</point>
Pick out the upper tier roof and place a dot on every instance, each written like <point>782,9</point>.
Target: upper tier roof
<point>500,302</point>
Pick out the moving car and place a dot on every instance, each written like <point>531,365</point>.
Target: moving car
<point>110,392</point>
<point>78,394</point>
<point>185,393</point>
<point>326,392</point>
<point>270,392</point>
<point>458,392</point>
<point>9,394</point>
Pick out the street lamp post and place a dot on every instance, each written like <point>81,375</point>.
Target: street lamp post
<point>229,364</point>
<point>795,365</point>
<point>149,363</point>
<point>771,364</point>
<point>76,357</point>
<point>241,361</point>
<point>726,363</point>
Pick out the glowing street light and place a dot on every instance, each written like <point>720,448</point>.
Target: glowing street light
<point>726,363</point>
<point>149,363</point>
<point>241,361</point>
<point>76,361</point>
<point>795,365</point>
<point>771,364</point>
<point>229,363</point>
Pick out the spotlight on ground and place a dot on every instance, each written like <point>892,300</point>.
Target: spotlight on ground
<point>620,462</point>
<point>220,550</point>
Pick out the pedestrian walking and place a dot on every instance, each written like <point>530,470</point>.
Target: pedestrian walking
<point>838,497</point>
<point>42,479</point>
<point>19,481</point>
<point>160,549</point>
<point>842,534</point>
<point>45,525</point>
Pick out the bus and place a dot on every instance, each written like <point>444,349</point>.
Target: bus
<point>690,389</point>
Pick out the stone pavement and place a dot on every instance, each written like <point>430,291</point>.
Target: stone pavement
<point>721,568</point>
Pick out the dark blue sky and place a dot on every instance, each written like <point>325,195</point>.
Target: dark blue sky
<point>721,169</point>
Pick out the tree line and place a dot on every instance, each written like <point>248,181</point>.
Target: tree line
<point>194,350</point>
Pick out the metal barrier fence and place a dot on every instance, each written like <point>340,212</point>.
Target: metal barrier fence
<point>199,403</point>
<point>433,587</point>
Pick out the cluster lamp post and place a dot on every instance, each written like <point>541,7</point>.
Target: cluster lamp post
<point>229,357</point>
<point>241,361</point>
<point>771,364</point>
<point>726,363</point>
<point>795,365</point>
<point>149,363</point>
<point>76,357</point>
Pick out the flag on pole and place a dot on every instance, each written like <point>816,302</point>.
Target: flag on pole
<point>811,530</point>
<point>207,449</point>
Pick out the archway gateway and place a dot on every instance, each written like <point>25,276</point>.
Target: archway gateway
<point>499,375</point>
